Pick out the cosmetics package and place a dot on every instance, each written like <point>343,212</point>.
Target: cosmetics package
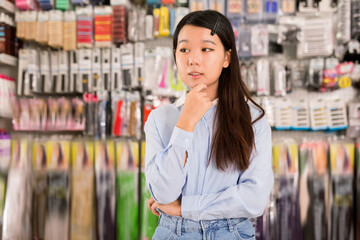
<point>341,200</point>
<point>85,70</point>
<point>96,69</point>
<point>84,16</point>
<point>58,190</point>
<point>75,84</point>
<point>69,30</point>
<point>314,189</point>
<point>127,154</point>
<point>116,73</point>
<point>106,69</point>
<point>62,85</point>
<point>82,191</point>
<point>105,189</point>
<point>39,189</point>
<point>17,209</point>
<point>285,194</point>
<point>102,26</point>
<point>119,24</point>
<point>127,65</point>
<point>55,28</point>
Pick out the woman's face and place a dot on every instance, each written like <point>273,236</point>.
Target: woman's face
<point>200,57</point>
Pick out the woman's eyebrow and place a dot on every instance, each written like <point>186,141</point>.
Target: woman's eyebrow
<point>209,41</point>
<point>183,40</point>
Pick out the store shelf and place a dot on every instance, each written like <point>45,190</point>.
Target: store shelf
<point>7,6</point>
<point>7,59</point>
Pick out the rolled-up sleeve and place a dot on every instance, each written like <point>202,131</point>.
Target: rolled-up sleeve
<point>251,194</point>
<point>164,163</point>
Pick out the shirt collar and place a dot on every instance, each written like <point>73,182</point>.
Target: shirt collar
<point>181,101</point>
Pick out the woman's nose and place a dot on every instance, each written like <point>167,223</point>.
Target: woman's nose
<point>194,59</point>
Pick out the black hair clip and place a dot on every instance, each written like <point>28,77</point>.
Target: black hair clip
<point>213,31</point>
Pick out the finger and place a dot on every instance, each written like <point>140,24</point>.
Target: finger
<point>153,209</point>
<point>200,87</point>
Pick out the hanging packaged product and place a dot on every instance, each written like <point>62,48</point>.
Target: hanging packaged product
<point>282,84</point>
<point>217,5</point>
<point>46,4</point>
<point>127,65</point>
<point>308,6</point>
<point>336,114</point>
<point>148,220</point>
<point>63,5</point>
<point>132,27</point>
<point>355,18</point>
<point>268,104</point>
<point>270,10</point>
<point>235,9</point>
<point>172,21</point>
<point>127,154</point>
<point>23,87</point>
<point>54,59</point>
<point>342,176</point>
<point>80,2</point>
<point>330,75</point>
<point>31,24</point>
<point>82,191</point>
<point>41,35</point>
<point>283,119</point>
<point>84,24</point>
<point>55,29</point>
<point>39,189</point>
<point>336,75</point>
<point>300,114</point>
<point>102,26</point>
<point>176,85</point>
<point>119,24</point>
<point>156,14</point>
<point>259,40</point>
<point>63,77</point>
<point>153,2</point>
<point>357,188</point>
<point>134,114</point>
<point>85,71</point>
<point>69,30</point>
<point>343,23</point>
<point>263,77</point>
<point>244,43</point>
<point>316,69</point>
<point>318,114</point>
<point>254,11</point>
<point>5,156</point>
<point>33,71</point>
<point>179,14</point>
<point>20,24</point>
<point>116,73</point>
<point>38,114</point>
<point>354,119</point>
<point>162,71</point>
<point>182,3</point>
<point>75,84</point>
<point>314,189</point>
<point>58,190</point>
<point>164,24</point>
<point>288,7</point>
<point>96,69</point>
<point>103,116</point>
<point>106,69</point>
<point>78,117</point>
<point>139,48</point>
<point>17,209</point>
<point>248,75</point>
<point>7,94</point>
<point>90,102</point>
<point>149,80</point>
<point>105,189</point>
<point>149,27</point>
<point>120,114</point>
<point>198,5</point>
<point>26,4</point>
<point>286,209</point>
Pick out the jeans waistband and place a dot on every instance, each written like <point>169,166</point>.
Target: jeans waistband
<point>182,225</point>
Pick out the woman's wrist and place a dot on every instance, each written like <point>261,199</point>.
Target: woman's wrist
<point>185,125</point>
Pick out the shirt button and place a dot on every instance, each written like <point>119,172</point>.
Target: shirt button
<point>186,140</point>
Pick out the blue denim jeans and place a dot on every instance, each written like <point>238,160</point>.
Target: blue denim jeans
<point>171,228</point>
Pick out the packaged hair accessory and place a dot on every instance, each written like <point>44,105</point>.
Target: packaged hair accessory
<point>18,201</point>
<point>55,28</point>
<point>58,193</point>
<point>102,26</point>
<point>84,24</point>
<point>69,30</point>
<point>105,188</point>
<point>82,191</point>
<point>42,27</point>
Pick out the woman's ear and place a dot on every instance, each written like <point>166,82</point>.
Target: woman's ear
<point>227,59</point>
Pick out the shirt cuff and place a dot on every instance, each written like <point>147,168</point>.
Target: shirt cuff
<point>190,207</point>
<point>181,138</point>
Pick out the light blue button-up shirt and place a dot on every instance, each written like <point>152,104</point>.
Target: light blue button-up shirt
<point>206,192</point>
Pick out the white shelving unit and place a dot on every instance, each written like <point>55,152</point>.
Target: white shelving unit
<point>6,59</point>
<point>7,6</point>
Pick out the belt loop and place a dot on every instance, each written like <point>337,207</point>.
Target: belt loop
<point>231,227</point>
<point>178,226</point>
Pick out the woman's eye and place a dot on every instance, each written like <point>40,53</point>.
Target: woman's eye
<point>207,49</point>
<point>184,50</point>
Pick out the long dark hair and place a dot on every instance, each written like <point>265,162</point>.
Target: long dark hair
<point>233,140</point>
